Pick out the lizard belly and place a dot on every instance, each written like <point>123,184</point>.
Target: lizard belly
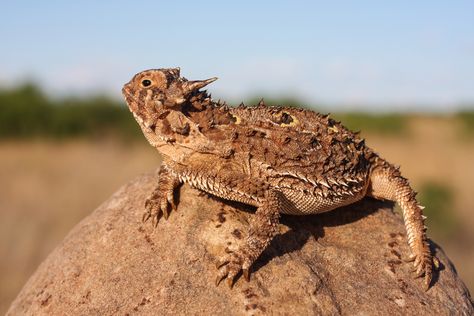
<point>221,188</point>
<point>299,203</point>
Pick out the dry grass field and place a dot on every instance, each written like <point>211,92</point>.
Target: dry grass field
<point>47,187</point>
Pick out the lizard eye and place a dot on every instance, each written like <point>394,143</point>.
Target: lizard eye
<point>146,82</point>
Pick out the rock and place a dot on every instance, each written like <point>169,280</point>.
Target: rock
<point>349,261</point>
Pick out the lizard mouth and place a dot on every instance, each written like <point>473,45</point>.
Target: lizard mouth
<point>130,97</point>
<point>147,126</point>
<point>152,127</point>
<point>127,95</point>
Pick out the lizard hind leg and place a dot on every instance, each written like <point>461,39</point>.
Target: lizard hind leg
<point>263,227</point>
<point>161,200</point>
<point>387,183</point>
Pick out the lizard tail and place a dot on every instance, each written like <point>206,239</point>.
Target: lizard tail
<point>387,183</point>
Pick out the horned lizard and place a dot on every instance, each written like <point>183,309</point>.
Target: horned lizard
<point>278,159</point>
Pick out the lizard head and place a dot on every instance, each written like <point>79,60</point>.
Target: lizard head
<point>150,93</point>
<point>159,99</point>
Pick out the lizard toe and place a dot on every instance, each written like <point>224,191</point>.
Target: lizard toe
<point>221,275</point>
<point>146,216</point>
<point>423,266</point>
<point>157,206</point>
<point>153,211</point>
<point>170,200</point>
<point>229,267</point>
<point>246,273</point>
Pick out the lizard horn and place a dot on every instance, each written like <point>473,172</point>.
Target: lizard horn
<point>176,70</point>
<point>190,86</point>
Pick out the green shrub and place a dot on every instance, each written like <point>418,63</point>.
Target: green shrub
<point>439,201</point>
<point>467,121</point>
<point>25,112</point>
<point>387,124</point>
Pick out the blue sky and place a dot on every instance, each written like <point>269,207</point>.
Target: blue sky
<point>384,55</point>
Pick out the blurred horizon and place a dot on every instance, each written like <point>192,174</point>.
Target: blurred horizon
<point>368,56</point>
<point>277,99</point>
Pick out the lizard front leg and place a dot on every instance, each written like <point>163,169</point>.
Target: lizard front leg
<point>263,227</point>
<point>231,184</point>
<point>161,200</point>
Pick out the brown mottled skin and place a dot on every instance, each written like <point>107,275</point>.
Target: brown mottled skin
<point>278,159</point>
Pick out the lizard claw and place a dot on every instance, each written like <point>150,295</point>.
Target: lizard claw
<point>219,278</point>
<point>155,221</point>
<point>423,264</point>
<point>153,211</point>
<point>246,273</point>
<point>225,274</point>
<point>158,205</point>
<point>427,282</point>
<point>222,262</point>
<point>166,214</point>
<point>229,267</point>
<point>146,216</point>
<point>418,273</point>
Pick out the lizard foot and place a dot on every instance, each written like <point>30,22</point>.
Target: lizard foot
<point>158,205</point>
<point>423,265</point>
<point>230,266</point>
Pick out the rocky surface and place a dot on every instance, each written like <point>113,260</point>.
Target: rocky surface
<point>349,261</point>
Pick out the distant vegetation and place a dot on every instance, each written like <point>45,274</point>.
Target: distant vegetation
<point>467,120</point>
<point>387,124</point>
<point>438,198</point>
<point>27,112</point>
